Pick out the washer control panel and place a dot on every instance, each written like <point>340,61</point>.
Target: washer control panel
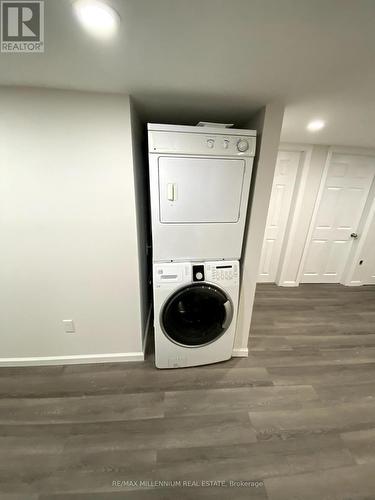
<point>170,274</point>
<point>222,271</point>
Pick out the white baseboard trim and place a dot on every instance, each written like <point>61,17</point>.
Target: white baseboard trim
<point>242,352</point>
<point>353,283</point>
<point>288,283</point>
<point>73,360</point>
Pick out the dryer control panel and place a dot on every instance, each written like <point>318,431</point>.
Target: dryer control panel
<point>202,143</point>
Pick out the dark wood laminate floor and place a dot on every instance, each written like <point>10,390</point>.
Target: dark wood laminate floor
<point>298,415</point>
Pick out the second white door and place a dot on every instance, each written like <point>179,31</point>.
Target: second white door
<point>339,210</point>
<point>278,213</point>
<point>364,270</point>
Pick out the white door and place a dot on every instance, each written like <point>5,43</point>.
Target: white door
<point>193,190</point>
<point>339,209</point>
<point>278,213</point>
<point>365,271</point>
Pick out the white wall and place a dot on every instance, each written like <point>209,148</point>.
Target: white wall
<point>141,182</point>
<point>268,124</point>
<point>69,241</point>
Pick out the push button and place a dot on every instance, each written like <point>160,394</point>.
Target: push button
<point>198,272</point>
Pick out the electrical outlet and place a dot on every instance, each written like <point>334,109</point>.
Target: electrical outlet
<point>69,326</point>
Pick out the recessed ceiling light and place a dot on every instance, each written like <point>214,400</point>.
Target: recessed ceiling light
<point>315,125</point>
<point>97,17</point>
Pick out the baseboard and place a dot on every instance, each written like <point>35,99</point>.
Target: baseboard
<point>242,352</point>
<point>288,283</point>
<point>353,283</point>
<point>73,360</point>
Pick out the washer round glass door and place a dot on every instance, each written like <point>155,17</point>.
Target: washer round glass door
<point>196,315</point>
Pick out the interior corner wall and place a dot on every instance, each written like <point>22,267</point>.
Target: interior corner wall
<point>69,239</point>
<point>267,123</point>
<point>141,183</point>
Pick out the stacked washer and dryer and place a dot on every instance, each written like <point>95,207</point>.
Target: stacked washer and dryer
<point>199,187</point>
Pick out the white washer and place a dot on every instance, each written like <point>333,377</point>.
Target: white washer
<point>195,312</point>
<point>199,184</point>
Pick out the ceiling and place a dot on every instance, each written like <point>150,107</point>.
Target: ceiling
<point>216,60</point>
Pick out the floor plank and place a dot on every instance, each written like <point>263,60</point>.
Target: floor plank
<point>215,401</point>
<point>346,483</point>
<point>317,419</point>
<point>100,408</point>
<point>361,445</point>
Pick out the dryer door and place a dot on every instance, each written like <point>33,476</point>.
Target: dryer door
<point>200,190</point>
<point>196,315</point>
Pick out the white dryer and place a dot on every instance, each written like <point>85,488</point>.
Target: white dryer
<point>195,312</point>
<point>199,183</point>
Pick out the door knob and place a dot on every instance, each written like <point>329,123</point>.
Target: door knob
<point>354,236</point>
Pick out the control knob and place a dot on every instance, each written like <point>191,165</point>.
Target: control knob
<point>242,145</point>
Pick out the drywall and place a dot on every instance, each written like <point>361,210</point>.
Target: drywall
<point>69,239</point>
<point>140,165</point>
<point>268,124</point>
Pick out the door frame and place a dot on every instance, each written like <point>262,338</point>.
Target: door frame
<point>284,148</point>
<point>295,209</point>
<point>344,277</point>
